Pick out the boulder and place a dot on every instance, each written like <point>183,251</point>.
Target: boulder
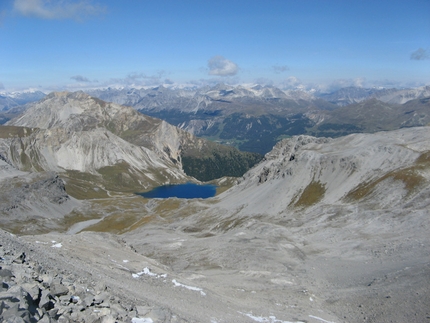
<point>58,289</point>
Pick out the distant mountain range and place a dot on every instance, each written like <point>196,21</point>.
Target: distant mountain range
<point>350,95</point>
<point>255,118</point>
<point>187,100</point>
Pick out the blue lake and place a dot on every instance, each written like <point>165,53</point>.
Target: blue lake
<point>183,191</point>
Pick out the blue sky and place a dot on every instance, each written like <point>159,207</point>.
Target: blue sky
<point>70,44</point>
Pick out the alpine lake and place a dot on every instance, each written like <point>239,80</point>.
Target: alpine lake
<point>183,191</point>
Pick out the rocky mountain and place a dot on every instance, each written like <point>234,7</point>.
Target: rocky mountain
<point>403,95</point>
<point>372,115</point>
<point>308,171</point>
<point>106,146</point>
<point>350,95</point>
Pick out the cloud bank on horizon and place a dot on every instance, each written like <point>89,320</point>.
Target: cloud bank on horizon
<point>294,45</point>
<point>219,65</point>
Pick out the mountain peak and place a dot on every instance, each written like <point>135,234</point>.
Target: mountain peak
<point>69,110</point>
<point>67,94</point>
<point>77,115</point>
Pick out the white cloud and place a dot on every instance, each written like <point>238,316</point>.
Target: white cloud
<point>420,54</point>
<point>341,83</point>
<point>360,81</point>
<point>291,82</point>
<point>280,68</point>
<point>80,78</point>
<point>219,65</point>
<point>60,9</point>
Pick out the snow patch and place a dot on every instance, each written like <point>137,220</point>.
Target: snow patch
<point>280,281</point>
<point>57,245</point>
<point>197,289</point>
<point>270,319</point>
<point>320,319</point>
<point>147,271</point>
<point>141,320</point>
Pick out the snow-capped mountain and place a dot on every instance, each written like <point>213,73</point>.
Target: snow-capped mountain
<point>185,100</point>
<point>350,95</point>
<point>9,100</point>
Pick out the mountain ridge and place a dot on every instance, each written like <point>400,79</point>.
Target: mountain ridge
<point>333,163</point>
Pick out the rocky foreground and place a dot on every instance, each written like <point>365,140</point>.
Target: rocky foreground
<point>34,292</point>
<point>38,286</point>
